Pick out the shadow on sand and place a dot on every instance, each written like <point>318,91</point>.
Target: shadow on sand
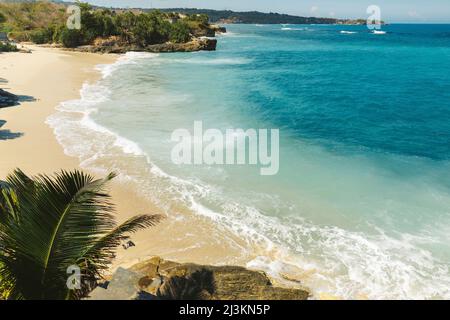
<point>23,98</point>
<point>18,98</point>
<point>11,100</point>
<point>7,134</point>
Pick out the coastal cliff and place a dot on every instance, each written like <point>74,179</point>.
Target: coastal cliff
<point>158,279</point>
<point>108,30</point>
<point>112,46</point>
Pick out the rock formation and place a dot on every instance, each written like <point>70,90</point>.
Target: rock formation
<point>160,279</point>
<point>111,46</point>
<point>209,31</point>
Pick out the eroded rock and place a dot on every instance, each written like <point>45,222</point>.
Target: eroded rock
<point>160,279</point>
<point>124,285</point>
<point>112,46</point>
<point>230,282</point>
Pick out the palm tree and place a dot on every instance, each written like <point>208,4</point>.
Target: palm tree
<point>51,223</point>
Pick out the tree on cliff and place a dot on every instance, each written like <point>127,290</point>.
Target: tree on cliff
<point>51,227</point>
<point>180,32</point>
<point>2,18</point>
<point>151,28</point>
<point>137,28</point>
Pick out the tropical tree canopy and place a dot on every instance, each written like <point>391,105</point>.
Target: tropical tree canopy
<point>48,24</point>
<point>50,224</point>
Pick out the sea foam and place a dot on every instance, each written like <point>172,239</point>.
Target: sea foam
<point>74,127</point>
<point>344,262</point>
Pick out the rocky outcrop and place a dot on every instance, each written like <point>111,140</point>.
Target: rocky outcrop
<point>111,46</point>
<point>122,286</point>
<point>204,32</point>
<point>198,44</point>
<point>161,279</point>
<point>218,29</point>
<point>8,99</point>
<point>208,31</point>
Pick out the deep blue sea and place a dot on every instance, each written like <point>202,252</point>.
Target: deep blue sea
<point>361,203</point>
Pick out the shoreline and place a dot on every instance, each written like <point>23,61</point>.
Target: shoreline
<point>336,229</point>
<point>46,78</point>
<point>42,80</point>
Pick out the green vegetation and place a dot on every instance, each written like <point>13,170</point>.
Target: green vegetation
<point>48,224</point>
<point>2,18</point>
<point>25,18</point>
<point>254,17</point>
<point>7,47</point>
<point>180,32</point>
<point>45,22</point>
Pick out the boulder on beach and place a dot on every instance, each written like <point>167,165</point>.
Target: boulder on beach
<point>160,279</point>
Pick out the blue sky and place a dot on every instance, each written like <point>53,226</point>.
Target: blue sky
<point>427,11</point>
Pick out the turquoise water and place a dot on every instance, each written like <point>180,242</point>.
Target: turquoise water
<point>362,198</point>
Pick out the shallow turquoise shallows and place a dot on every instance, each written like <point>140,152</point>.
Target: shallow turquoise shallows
<point>363,192</point>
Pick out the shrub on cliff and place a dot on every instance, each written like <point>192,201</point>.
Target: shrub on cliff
<point>47,24</point>
<point>71,38</point>
<point>180,32</point>
<point>150,28</point>
<point>30,16</point>
<point>200,18</point>
<point>52,226</point>
<point>2,18</point>
<point>7,47</point>
<point>42,36</point>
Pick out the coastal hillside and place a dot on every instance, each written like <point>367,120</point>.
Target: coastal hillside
<point>105,30</point>
<point>251,17</point>
<point>255,17</point>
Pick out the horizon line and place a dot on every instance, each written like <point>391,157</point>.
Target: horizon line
<point>264,12</point>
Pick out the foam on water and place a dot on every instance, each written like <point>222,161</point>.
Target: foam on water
<point>128,58</point>
<point>224,61</point>
<point>73,121</point>
<point>365,261</point>
<point>293,29</point>
<point>333,260</point>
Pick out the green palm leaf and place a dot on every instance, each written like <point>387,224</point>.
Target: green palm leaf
<point>50,223</point>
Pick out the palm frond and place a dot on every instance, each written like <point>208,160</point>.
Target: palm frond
<point>59,221</point>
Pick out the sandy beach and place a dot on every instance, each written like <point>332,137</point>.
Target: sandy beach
<point>45,78</point>
<point>42,79</point>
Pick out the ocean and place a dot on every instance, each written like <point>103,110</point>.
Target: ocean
<point>361,202</point>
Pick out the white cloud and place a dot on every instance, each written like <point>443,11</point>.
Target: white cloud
<point>413,14</point>
<point>314,9</point>
<point>332,14</point>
